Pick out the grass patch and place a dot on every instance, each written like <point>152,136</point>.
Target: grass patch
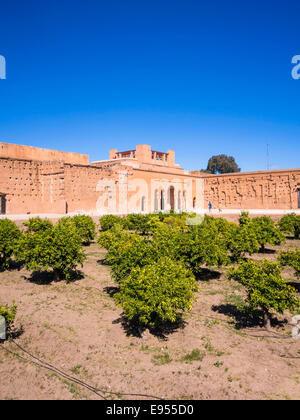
<point>194,355</point>
<point>161,359</point>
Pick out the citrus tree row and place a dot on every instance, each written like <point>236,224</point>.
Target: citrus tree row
<point>157,258</point>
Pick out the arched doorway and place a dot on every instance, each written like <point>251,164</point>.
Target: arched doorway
<point>172,198</point>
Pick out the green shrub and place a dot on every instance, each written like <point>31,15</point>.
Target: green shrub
<point>207,246</point>
<point>265,288</point>
<point>243,240</point>
<point>9,314</point>
<point>137,222</point>
<point>157,293</point>
<point>291,259</point>
<point>266,232</point>
<point>170,242</point>
<point>109,220</point>
<point>225,229</point>
<point>125,254</point>
<point>112,236</point>
<point>290,224</point>
<point>9,237</point>
<point>244,218</point>
<point>86,228</point>
<point>36,224</point>
<point>58,249</point>
<point>178,223</point>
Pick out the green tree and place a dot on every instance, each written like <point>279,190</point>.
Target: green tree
<point>266,232</point>
<point>126,253</point>
<point>36,224</point>
<point>9,237</point>
<point>109,220</point>
<point>265,288</point>
<point>58,249</point>
<point>244,218</point>
<point>291,259</point>
<point>222,164</point>
<point>290,223</point>
<point>138,222</point>
<point>86,227</point>
<point>243,240</point>
<point>205,245</point>
<point>156,293</point>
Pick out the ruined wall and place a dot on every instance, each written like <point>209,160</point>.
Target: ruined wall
<point>83,186</point>
<point>35,153</point>
<point>253,190</point>
<point>32,186</point>
<point>57,187</point>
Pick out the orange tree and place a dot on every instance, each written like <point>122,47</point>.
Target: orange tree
<point>265,288</point>
<point>10,234</point>
<point>156,293</point>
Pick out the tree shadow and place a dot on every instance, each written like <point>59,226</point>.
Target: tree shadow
<point>48,277</point>
<point>16,332</point>
<point>267,251</point>
<point>207,274</point>
<point>101,261</point>
<point>292,238</point>
<point>244,319</point>
<point>295,285</point>
<point>13,265</point>
<point>135,329</point>
<point>111,290</point>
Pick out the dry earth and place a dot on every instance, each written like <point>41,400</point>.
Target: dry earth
<point>78,329</point>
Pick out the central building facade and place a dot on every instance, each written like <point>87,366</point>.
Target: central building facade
<point>41,181</point>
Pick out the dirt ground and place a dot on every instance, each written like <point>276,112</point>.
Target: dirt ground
<point>73,341</point>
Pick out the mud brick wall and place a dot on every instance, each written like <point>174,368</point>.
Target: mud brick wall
<point>32,186</point>
<point>81,186</point>
<point>253,190</point>
<point>36,153</point>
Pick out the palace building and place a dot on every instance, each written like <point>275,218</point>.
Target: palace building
<point>42,181</point>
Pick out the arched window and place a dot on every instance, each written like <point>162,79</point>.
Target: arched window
<point>194,202</point>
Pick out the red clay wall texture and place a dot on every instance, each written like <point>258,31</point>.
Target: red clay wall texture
<point>253,190</point>
<point>64,184</point>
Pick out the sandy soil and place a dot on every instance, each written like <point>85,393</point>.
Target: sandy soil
<point>78,329</point>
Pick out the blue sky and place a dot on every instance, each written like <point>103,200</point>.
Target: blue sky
<point>199,77</point>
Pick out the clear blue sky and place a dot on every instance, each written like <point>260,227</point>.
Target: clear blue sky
<point>199,77</point>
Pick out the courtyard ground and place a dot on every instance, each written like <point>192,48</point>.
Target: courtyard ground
<point>73,341</point>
